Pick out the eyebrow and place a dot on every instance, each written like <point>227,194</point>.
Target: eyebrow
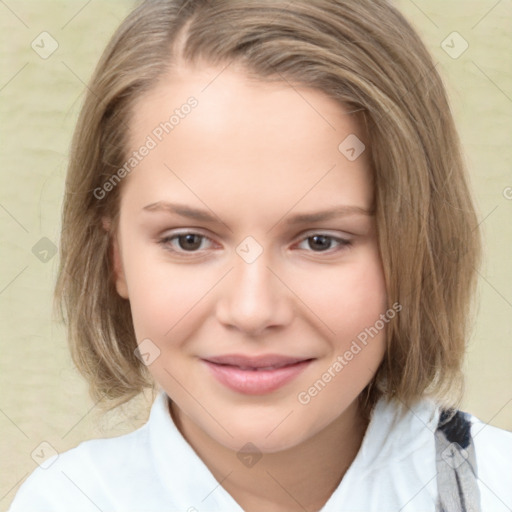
<point>300,218</point>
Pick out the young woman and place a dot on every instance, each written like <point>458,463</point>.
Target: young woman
<point>267,221</point>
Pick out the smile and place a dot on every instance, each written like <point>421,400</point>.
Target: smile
<point>256,377</point>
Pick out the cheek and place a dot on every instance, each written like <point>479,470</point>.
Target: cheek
<point>166,308</point>
<point>363,299</point>
<point>346,299</point>
<point>167,298</point>
<point>352,306</point>
<point>163,298</point>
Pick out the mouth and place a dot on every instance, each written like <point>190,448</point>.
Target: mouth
<point>256,375</point>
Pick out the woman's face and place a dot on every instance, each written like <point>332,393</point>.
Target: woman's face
<point>245,242</point>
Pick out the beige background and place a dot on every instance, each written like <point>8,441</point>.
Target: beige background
<point>42,397</point>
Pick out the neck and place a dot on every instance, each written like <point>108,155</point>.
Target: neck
<point>300,478</point>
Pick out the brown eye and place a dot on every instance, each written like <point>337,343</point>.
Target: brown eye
<point>319,242</point>
<point>189,242</point>
<point>183,243</point>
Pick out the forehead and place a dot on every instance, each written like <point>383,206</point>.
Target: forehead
<point>270,142</point>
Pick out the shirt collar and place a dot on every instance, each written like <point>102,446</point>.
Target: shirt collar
<point>191,483</point>
<point>181,470</point>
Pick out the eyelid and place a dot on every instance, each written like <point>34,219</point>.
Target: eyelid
<point>326,232</point>
<point>335,234</point>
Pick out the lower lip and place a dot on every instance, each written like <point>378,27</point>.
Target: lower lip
<point>255,382</point>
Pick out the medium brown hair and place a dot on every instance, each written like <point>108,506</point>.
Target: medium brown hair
<point>363,54</point>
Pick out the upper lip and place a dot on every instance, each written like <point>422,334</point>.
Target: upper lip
<point>261,361</point>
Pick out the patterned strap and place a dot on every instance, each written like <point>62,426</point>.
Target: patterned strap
<point>456,464</point>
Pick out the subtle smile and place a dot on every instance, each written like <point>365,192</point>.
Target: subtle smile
<point>255,375</point>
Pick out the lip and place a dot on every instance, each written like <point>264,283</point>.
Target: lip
<point>256,375</point>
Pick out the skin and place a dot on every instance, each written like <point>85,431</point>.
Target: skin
<point>254,154</point>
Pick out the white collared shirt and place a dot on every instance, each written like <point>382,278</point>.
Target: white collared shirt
<point>154,469</point>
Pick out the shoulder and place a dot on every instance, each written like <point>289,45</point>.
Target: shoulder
<point>488,436</point>
<point>493,445</point>
<point>84,475</point>
<point>491,460</point>
<point>493,451</point>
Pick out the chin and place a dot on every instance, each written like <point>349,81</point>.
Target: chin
<point>247,441</point>
<point>268,436</point>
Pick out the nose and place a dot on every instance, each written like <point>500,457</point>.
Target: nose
<point>253,298</point>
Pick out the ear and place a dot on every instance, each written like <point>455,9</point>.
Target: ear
<point>117,264</point>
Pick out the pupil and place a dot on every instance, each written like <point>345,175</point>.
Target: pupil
<point>323,241</point>
<point>189,241</point>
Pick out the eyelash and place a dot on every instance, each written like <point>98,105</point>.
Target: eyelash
<point>165,242</point>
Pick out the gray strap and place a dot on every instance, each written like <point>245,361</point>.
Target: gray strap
<point>456,465</point>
